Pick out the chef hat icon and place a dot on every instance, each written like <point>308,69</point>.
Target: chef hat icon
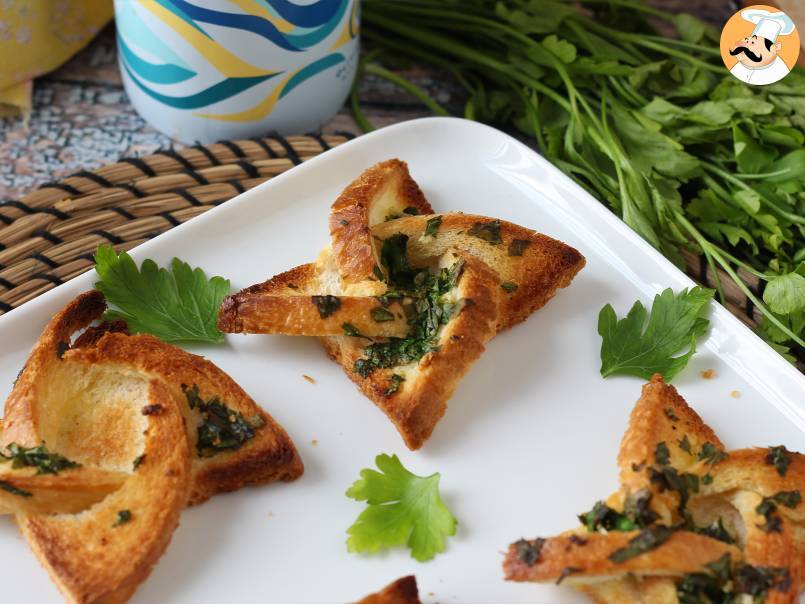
<point>768,25</point>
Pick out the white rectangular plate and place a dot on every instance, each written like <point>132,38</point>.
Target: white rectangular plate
<point>530,436</point>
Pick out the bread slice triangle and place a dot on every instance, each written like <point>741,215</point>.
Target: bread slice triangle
<point>531,266</point>
<point>401,591</point>
<point>301,302</point>
<point>382,192</point>
<point>267,455</point>
<point>414,395</point>
<point>104,416</point>
<point>105,552</point>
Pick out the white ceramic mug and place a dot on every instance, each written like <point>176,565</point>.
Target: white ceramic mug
<point>207,70</point>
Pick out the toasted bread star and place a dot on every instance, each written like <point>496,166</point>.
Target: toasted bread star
<point>381,302</point>
<point>690,522</point>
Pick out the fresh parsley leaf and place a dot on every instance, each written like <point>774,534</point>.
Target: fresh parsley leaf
<point>786,293</point>
<point>642,344</point>
<point>402,509</point>
<point>176,304</point>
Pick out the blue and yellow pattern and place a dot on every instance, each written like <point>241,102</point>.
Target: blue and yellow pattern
<point>232,61</point>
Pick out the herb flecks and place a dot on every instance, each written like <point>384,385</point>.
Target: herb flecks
<point>326,305</point>
<point>394,384</point>
<point>426,315</point>
<point>432,226</point>
<point>648,539</point>
<point>684,444</point>
<point>767,508</point>
<point>669,413</point>
<point>669,479</point>
<point>509,286</point>
<point>38,457</point>
<point>411,211</point>
<point>636,514</point>
<point>529,552</point>
<point>381,315</point>
<point>778,457</point>
<point>661,454</point>
<point>10,488</point>
<point>725,582</point>
<point>716,530</point>
<point>138,461</point>
<point>518,246</point>
<point>488,231</point>
<point>123,517</point>
<point>221,428</point>
<point>711,454</point>
<point>61,348</point>
<point>351,330</point>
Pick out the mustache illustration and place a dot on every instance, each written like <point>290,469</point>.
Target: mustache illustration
<point>750,55</point>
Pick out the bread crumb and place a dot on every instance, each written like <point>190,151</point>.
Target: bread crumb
<point>314,442</point>
<point>735,394</point>
<point>708,374</point>
<point>309,379</point>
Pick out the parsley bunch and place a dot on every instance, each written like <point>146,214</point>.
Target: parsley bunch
<point>653,126</point>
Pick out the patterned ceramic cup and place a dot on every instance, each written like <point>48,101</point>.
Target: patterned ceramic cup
<point>206,70</point>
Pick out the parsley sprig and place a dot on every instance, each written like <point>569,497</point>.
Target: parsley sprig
<point>179,304</point>
<point>403,508</point>
<point>643,343</point>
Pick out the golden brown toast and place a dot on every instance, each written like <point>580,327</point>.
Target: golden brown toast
<point>25,491</point>
<point>588,555</point>
<point>417,399</point>
<point>135,407</point>
<point>104,553</point>
<point>299,302</point>
<point>402,591</point>
<point>512,272</point>
<point>104,416</point>
<point>268,455</point>
<point>531,266</point>
<point>384,191</point>
<point>680,486</point>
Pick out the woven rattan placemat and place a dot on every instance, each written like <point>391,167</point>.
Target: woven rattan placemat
<point>50,235</point>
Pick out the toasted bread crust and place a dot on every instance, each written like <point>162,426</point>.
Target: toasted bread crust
<point>71,490</point>
<point>300,316</point>
<point>384,188</point>
<point>543,266</point>
<point>268,457</point>
<point>421,401</point>
<point>401,591</point>
<point>90,558</point>
<point>725,492</point>
<point>684,552</point>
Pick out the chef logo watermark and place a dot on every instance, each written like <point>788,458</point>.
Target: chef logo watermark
<point>760,45</point>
